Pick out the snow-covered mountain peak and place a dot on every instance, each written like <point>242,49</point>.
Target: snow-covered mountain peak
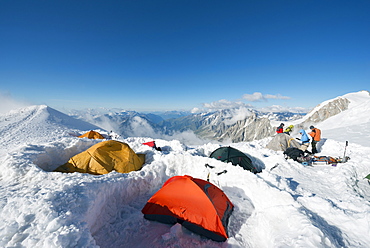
<point>348,100</point>
<point>333,107</point>
<point>38,122</point>
<point>358,97</point>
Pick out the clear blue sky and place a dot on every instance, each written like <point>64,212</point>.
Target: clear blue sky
<point>176,55</point>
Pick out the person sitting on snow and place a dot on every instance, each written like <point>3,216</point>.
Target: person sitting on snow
<point>280,128</point>
<point>289,129</point>
<point>305,141</point>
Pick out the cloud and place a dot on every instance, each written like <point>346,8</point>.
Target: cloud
<point>237,114</point>
<point>236,110</point>
<point>224,104</point>
<point>196,110</point>
<point>141,128</point>
<point>104,122</point>
<point>186,137</point>
<point>278,108</point>
<point>7,103</point>
<point>278,96</point>
<point>258,96</point>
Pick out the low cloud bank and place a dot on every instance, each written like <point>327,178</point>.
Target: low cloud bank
<point>237,114</point>
<point>226,104</point>
<point>141,128</point>
<point>7,103</point>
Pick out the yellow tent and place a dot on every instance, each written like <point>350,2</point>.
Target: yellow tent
<point>92,135</point>
<point>103,158</point>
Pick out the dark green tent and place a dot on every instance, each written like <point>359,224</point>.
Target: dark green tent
<point>236,157</point>
<point>368,177</point>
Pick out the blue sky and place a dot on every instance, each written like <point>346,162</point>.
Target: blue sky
<point>177,55</point>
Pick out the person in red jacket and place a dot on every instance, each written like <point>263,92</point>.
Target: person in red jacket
<point>316,137</point>
<point>280,128</point>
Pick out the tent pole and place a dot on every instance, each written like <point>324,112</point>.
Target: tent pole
<point>344,155</point>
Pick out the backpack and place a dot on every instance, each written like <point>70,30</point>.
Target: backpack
<point>294,153</point>
<point>325,160</point>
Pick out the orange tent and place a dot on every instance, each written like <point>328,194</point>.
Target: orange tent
<point>92,135</point>
<point>198,205</point>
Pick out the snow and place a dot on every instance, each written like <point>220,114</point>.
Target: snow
<point>354,123</point>
<point>286,205</point>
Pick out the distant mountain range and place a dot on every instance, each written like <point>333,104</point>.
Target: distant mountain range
<point>228,125</point>
<point>239,124</point>
<point>234,125</point>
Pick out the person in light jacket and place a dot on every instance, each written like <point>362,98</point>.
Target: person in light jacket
<point>305,141</point>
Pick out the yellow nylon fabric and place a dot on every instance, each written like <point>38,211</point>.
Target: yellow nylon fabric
<point>103,158</point>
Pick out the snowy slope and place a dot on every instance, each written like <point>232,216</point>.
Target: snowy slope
<point>352,124</point>
<point>359,103</point>
<point>287,205</point>
<point>41,123</point>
